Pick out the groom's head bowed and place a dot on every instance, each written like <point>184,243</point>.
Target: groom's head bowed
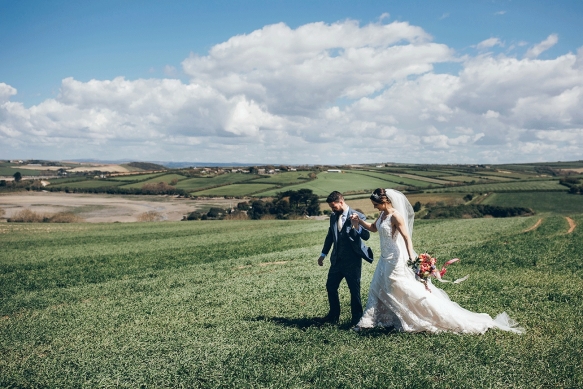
<point>336,202</point>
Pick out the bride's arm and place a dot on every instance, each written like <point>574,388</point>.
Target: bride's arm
<point>372,227</point>
<point>400,226</point>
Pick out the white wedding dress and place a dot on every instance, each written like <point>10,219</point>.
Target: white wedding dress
<point>396,299</point>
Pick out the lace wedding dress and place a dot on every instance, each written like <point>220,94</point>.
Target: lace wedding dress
<point>396,299</point>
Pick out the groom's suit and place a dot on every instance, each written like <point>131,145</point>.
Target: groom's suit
<point>346,262</point>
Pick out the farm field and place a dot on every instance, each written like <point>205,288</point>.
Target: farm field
<point>506,186</point>
<point>438,181</point>
<point>342,182</point>
<point>135,177</point>
<point>100,183</point>
<point>399,179</point>
<point>234,190</point>
<point>207,304</point>
<point>556,202</point>
<point>166,178</point>
<point>284,178</point>
<point>106,208</point>
<point>198,183</point>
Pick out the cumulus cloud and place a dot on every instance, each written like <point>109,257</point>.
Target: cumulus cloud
<point>320,93</point>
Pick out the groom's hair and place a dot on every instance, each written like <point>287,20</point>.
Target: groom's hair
<point>334,197</point>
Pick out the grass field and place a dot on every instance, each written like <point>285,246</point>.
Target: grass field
<point>10,171</point>
<point>234,190</point>
<point>229,304</point>
<point>136,177</point>
<point>561,202</point>
<point>91,183</point>
<point>198,183</point>
<point>167,178</point>
<point>284,178</point>
<point>506,187</point>
<point>348,181</point>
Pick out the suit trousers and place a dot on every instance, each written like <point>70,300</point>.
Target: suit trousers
<point>351,273</point>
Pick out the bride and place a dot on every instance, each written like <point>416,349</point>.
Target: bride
<point>396,299</point>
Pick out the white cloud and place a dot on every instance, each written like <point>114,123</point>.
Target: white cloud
<point>538,49</point>
<point>489,43</point>
<point>320,93</point>
<point>5,92</point>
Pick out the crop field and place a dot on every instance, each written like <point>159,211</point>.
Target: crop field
<point>230,304</point>
<point>349,181</point>
<point>198,183</point>
<point>9,171</point>
<point>562,203</point>
<point>404,179</point>
<point>439,181</point>
<point>167,178</point>
<point>234,190</point>
<point>462,178</point>
<point>507,187</point>
<point>136,177</point>
<point>284,178</point>
<point>92,183</point>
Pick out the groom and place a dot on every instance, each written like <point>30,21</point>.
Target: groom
<point>345,260</point>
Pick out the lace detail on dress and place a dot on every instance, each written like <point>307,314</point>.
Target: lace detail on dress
<point>389,248</point>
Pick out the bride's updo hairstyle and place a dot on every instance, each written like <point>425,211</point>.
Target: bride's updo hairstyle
<point>379,196</point>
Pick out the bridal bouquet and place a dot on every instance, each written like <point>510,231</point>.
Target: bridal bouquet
<point>425,267</point>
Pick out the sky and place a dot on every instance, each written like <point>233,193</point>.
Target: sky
<point>292,82</point>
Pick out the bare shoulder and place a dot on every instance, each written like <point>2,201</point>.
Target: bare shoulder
<point>396,217</point>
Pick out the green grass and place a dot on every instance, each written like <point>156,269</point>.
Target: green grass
<point>9,171</point>
<point>90,183</point>
<point>198,183</point>
<point>234,190</point>
<point>395,180</point>
<point>284,178</point>
<point>540,185</point>
<point>167,178</point>
<point>562,202</point>
<point>228,304</point>
<point>136,177</point>
<point>424,180</point>
<point>347,181</point>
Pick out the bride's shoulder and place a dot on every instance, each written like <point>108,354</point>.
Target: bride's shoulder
<point>396,215</point>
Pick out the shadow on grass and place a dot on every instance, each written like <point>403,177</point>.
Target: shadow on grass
<point>300,323</point>
<point>306,322</point>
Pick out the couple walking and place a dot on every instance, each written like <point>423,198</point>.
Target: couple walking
<point>395,299</point>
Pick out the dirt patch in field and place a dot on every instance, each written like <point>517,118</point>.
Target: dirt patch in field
<point>106,208</point>
<point>536,225</point>
<point>572,224</point>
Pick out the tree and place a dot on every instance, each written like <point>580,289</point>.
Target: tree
<point>17,176</point>
<point>417,207</point>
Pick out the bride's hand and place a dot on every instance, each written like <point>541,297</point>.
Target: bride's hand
<point>355,220</point>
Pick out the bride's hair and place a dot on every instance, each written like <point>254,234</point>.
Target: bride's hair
<point>379,196</point>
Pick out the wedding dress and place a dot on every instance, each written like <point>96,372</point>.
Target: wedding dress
<point>396,299</point>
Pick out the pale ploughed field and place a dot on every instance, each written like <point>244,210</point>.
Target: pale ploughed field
<point>105,208</point>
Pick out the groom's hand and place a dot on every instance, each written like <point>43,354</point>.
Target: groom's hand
<point>321,260</point>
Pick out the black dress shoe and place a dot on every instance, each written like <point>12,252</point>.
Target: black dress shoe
<point>327,319</point>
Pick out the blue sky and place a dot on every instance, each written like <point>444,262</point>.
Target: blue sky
<point>242,81</point>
